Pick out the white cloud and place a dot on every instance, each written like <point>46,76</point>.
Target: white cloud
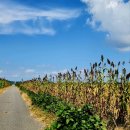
<point>124,49</point>
<point>29,71</point>
<point>112,17</point>
<point>14,76</point>
<point>15,18</point>
<point>59,71</point>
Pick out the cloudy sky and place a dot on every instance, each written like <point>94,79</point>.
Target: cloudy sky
<point>48,36</point>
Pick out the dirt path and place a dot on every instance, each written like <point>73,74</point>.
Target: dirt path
<point>14,114</point>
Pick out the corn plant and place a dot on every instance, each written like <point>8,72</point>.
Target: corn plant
<point>105,85</point>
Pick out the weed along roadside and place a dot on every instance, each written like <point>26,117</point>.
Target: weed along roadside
<point>68,117</point>
<point>4,84</point>
<point>44,117</point>
<point>105,86</point>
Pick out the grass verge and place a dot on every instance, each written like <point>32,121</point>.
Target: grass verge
<point>42,116</point>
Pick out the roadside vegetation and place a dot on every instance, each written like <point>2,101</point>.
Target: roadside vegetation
<point>84,100</point>
<point>44,117</point>
<point>4,84</point>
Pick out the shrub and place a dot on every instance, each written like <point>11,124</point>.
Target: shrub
<point>78,119</point>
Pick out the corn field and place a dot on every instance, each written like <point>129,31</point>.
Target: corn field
<point>105,85</point>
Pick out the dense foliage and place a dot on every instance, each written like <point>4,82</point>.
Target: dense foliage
<point>69,117</point>
<point>46,101</point>
<point>105,85</point>
<point>4,83</point>
<point>78,119</point>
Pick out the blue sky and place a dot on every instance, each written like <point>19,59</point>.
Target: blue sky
<point>38,37</point>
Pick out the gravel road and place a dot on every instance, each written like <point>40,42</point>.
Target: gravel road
<point>14,114</point>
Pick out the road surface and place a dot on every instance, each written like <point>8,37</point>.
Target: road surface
<point>14,114</point>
